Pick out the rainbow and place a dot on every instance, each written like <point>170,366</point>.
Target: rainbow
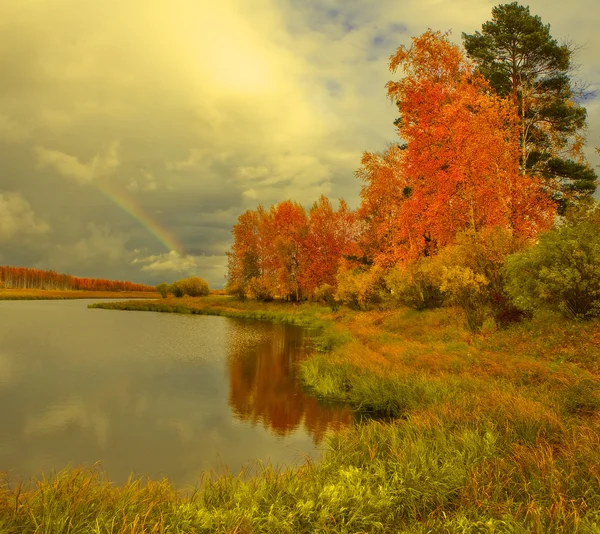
<point>130,206</point>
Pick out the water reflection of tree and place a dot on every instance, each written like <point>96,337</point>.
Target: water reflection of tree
<point>262,386</point>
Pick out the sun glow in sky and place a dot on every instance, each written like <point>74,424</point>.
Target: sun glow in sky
<point>195,111</point>
<point>225,48</point>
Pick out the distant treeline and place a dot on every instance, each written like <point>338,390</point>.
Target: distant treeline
<point>25,278</point>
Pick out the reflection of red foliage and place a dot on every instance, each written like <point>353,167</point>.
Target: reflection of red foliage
<point>263,388</point>
<point>25,278</point>
<point>329,235</point>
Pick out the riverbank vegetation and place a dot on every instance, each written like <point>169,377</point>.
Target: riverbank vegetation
<point>192,287</point>
<point>489,432</point>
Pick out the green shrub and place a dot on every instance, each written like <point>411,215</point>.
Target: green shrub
<point>484,253</point>
<point>177,289</point>
<point>561,272</point>
<point>360,288</point>
<point>163,289</point>
<point>468,291</point>
<point>468,274</point>
<point>417,285</point>
<point>325,293</point>
<point>195,287</point>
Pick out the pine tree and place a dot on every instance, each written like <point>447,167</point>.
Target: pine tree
<point>521,60</point>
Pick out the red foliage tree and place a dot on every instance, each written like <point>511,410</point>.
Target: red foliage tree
<point>460,166</point>
<point>287,253</point>
<point>330,235</point>
<point>287,233</point>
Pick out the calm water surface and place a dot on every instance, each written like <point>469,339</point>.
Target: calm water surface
<point>150,393</point>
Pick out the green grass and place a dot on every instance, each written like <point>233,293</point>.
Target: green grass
<point>488,433</point>
<point>376,477</point>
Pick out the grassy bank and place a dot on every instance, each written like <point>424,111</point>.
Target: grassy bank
<point>304,314</point>
<point>50,294</point>
<point>498,432</point>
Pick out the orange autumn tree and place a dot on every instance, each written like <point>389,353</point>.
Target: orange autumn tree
<point>245,258</point>
<point>459,169</point>
<point>286,232</point>
<point>288,253</point>
<point>330,235</point>
<point>384,236</point>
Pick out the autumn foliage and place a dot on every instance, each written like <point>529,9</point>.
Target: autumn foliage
<point>287,252</point>
<point>25,278</point>
<point>459,169</point>
<point>454,170</point>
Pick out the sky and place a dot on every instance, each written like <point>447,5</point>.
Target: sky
<point>133,133</point>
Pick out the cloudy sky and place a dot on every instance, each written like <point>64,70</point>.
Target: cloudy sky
<point>133,133</point>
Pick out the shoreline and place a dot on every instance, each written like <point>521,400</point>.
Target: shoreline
<point>68,294</point>
<point>496,431</point>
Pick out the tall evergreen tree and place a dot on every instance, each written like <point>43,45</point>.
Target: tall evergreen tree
<point>521,60</point>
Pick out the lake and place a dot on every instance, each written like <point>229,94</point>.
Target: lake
<point>154,394</point>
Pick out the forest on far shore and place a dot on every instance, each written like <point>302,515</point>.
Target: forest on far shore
<point>26,278</point>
